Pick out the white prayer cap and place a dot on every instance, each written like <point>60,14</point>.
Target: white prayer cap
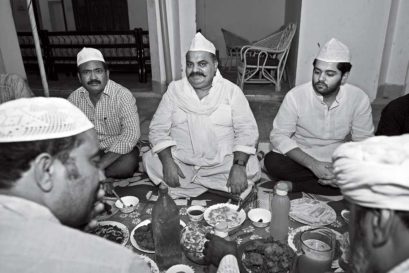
<point>334,51</point>
<point>39,118</point>
<point>89,54</point>
<point>374,173</point>
<point>200,43</point>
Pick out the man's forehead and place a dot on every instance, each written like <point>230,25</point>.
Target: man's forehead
<point>91,65</point>
<point>199,56</point>
<point>322,65</point>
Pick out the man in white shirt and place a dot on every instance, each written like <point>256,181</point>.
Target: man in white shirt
<point>314,119</point>
<point>49,189</point>
<point>203,134</point>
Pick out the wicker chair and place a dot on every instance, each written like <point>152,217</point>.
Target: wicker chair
<point>264,61</point>
<point>233,45</point>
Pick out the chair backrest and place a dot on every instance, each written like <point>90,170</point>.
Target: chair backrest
<point>279,40</point>
<point>233,40</point>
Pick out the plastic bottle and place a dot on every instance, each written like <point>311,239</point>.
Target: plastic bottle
<point>280,208</point>
<point>221,230</point>
<point>166,230</point>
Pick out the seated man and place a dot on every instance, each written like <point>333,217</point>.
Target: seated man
<point>203,133</point>
<point>373,176</point>
<point>49,185</point>
<point>395,118</point>
<point>112,109</point>
<point>12,87</point>
<point>314,119</point>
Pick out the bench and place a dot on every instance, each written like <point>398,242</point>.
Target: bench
<point>122,50</point>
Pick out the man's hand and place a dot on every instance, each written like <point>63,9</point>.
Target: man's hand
<point>171,173</point>
<point>237,180</point>
<point>98,208</point>
<point>216,248</point>
<point>328,182</point>
<point>323,170</point>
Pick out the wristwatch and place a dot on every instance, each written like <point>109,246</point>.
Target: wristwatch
<point>239,162</point>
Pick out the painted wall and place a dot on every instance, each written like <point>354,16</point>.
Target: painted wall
<point>252,20</point>
<point>138,14</point>
<point>12,61</point>
<point>359,24</point>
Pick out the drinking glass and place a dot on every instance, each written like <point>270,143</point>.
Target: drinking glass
<point>318,247</point>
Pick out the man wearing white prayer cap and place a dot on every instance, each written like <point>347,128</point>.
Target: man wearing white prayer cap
<point>373,176</point>
<point>314,119</point>
<point>112,108</point>
<point>203,133</point>
<point>50,189</point>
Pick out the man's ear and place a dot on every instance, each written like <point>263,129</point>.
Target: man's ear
<point>43,169</point>
<point>382,226</point>
<point>79,77</point>
<point>344,78</point>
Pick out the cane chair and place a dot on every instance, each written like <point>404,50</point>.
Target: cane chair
<point>233,45</point>
<point>264,61</point>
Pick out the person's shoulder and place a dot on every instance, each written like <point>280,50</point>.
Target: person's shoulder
<point>75,95</point>
<point>117,88</point>
<point>402,101</point>
<point>354,90</point>
<point>300,91</point>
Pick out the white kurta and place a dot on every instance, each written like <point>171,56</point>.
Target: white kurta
<point>203,142</point>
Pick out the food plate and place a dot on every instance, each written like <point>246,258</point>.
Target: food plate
<point>141,224</point>
<point>112,231</point>
<point>180,268</point>
<point>346,214</point>
<point>109,209</point>
<point>224,212</point>
<point>294,241</point>
<point>266,253</point>
<point>154,267</point>
<point>312,212</point>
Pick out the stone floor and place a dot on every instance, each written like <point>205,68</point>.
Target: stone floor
<point>264,101</point>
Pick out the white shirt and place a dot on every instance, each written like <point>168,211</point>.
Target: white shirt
<point>233,124</point>
<point>306,122</point>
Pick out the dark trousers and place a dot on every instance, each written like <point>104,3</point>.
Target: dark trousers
<point>282,167</point>
<point>125,166</point>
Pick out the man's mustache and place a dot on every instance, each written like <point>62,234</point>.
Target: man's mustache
<point>196,74</point>
<point>94,81</point>
<point>322,83</point>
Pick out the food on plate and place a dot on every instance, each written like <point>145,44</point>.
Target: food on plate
<point>109,232</point>
<point>193,240</point>
<point>267,255</point>
<point>312,212</point>
<point>224,214</point>
<point>144,237</point>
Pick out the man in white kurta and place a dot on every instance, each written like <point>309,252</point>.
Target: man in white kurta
<point>203,134</point>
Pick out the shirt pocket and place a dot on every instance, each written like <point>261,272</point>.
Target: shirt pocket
<point>222,116</point>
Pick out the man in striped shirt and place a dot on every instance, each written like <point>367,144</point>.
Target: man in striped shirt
<point>113,111</point>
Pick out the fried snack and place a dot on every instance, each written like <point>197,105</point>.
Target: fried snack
<point>267,256</point>
<point>144,237</point>
<point>109,232</point>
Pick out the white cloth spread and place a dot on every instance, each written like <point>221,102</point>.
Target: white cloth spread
<point>375,172</point>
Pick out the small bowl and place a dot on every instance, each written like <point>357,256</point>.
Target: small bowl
<point>195,213</point>
<point>130,202</point>
<point>259,217</point>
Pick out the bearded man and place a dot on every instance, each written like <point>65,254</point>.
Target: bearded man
<point>314,119</point>
<point>203,133</point>
<point>373,176</point>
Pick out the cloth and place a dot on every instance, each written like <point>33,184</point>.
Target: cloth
<point>395,118</point>
<point>374,173</point>
<point>89,54</point>
<point>401,268</point>
<point>228,264</point>
<point>115,117</point>
<point>30,119</point>
<point>203,142</point>
<point>33,240</point>
<point>302,178</point>
<point>200,43</point>
<point>334,51</point>
<point>305,121</point>
<point>12,87</point>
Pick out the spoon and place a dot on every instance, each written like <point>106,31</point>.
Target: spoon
<point>119,198</point>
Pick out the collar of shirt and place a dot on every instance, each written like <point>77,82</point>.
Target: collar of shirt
<point>26,208</point>
<point>338,98</point>
<point>108,91</point>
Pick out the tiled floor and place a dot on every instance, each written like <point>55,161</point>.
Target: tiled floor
<point>264,101</point>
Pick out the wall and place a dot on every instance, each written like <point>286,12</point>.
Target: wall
<point>359,24</point>
<point>292,15</point>
<point>138,14</point>
<point>20,14</point>
<point>9,47</point>
<point>250,19</point>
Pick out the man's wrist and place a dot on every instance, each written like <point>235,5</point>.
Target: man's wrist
<point>240,162</point>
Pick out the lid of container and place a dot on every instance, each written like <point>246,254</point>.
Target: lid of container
<point>221,226</point>
<point>281,188</point>
<point>163,189</point>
